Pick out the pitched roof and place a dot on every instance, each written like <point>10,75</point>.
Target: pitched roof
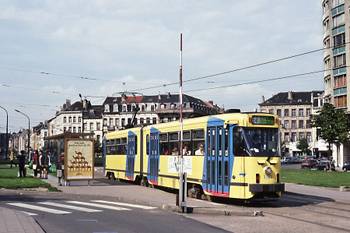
<point>291,98</point>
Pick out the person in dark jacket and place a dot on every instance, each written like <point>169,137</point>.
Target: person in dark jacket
<point>21,163</point>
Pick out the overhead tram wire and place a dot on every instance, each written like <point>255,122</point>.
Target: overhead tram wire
<point>261,81</point>
<point>238,69</point>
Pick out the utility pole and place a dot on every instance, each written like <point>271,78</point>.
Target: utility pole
<point>182,174</point>
<point>22,113</point>
<point>7,132</point>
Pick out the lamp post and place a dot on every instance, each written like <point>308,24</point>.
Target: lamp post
<point>82,115</point>
<point>22,113</point>
<point>7,132</point>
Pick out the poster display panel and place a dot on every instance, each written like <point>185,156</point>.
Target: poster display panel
<point>79,159</point>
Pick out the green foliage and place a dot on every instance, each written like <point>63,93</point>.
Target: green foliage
<point>303,145</point>
<point>333,124</point>
<point>315,178</point>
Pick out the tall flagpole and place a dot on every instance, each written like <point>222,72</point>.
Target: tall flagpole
<point>182,175</point>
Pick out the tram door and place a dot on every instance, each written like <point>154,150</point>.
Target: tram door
<point>153,158</point>
<point>130,157</point>
<point>217,160</point>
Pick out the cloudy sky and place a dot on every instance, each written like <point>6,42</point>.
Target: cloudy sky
<point>111,42</point>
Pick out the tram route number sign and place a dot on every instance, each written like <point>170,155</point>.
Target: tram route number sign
<point>263,120</point>
<point>79,159</point>
<point>174,164</point>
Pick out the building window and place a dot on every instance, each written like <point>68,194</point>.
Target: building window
<point>91,126</point>
<point>115,108</point>
<point>124,109</point>
<point>128,108</point>
<point>339,61</point>
<point>340,81</point>
<point>70,119</point>
<point>74,130</point>
<point>308,112</point>
<point>301,112</point>
<point>106,108</point>
<point>336,3</point>
<point>148,121</point>
<point>308,124</point>
<point>98,126</point>
<point>294,137</point>
<point>294,112</point>
<point>69,129</point>
<point>286,124</point>
<point>308,137</point>
<point>105,121</point>
<point>294,124</point>
<point>152,108</point>
<point>110,121</point>
<point>79,129</point>
<point>64,129</point>
<point>98,137</point>
<point>339,40</point>
<point>74,119</point>
<point>85,126</point>
<point>340,101</point>
<point>279,112</point>
<point>301,135</point>
<point>286,112</point>
<point>64,119</point>
<point>123,122</point>
<point>154,120</point>
<point>301,124</point>
<point>79,119</point>
<point>116,122</point>
<point>141,121</point>
<point>338,20</point>
<point>286,137</point>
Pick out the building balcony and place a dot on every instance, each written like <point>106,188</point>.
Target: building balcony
<point>173,110</point>
<point>338,30</point>
<point>339,50</point>
<point>338,10</point>
<point>339,71</point>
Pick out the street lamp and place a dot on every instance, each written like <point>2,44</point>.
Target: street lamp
<point>22,113</point>
<point>7,132</point>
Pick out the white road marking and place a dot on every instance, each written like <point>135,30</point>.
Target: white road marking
<point>126,204</point>
<point>28,213</point>
<point>39,208</point>
<point>98,205</point>
<point>72,207</point>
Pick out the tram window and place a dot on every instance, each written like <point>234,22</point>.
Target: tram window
<point>147,144</point>
<point>226,142</point>
<point>213,171</point>
<point>220,173</point>
<point>187,135</point>
<point>226,173</point>
<point>198,142</point>
<point>135,143</point>
<point>121,146</point>
<point>219,145</point>
<point>163,144</point>
<point>174,143</point>
<point>239,144</point>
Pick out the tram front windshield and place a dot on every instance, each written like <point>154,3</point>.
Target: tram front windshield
<point>257,141</point>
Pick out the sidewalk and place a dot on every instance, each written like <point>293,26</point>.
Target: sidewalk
<point>16,222</point>
<point>332,193</point>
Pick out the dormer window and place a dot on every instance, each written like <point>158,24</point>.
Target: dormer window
<point>115,108</point>
<point>124,108</point>
<point>106,108</point>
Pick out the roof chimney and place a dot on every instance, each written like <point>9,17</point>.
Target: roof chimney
<point>290,95</point>
<point>168,95</point>
<point>68,104</point>
<point>263,98</point>
<point>211,102</point>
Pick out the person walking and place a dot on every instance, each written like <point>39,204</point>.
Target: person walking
<point>21,163</point>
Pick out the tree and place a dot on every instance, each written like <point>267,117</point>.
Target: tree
<point>303,145</point>
<point>333,126</point>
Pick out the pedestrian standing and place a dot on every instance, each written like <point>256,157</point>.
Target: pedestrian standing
<point>21,163</point>
<point>11,158</point>
<point>60,168</point>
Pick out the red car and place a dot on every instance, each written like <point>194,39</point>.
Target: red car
<point>309,163</point>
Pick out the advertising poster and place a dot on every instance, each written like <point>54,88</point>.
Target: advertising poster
<point>79,159</point>
<point>174,164</point>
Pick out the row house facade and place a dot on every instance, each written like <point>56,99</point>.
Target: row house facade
<point>294,110</point>
<point>119,112</point>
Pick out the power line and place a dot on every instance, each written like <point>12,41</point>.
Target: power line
<point>260,81</point>
<point>238,69</point>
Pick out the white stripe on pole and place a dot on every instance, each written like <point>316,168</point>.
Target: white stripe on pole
<point>39,208</point>
<point>72,207</point>
<point>98,205</point>
<point>126,204</point>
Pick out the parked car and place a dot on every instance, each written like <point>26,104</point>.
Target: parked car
<point>309,163</point>
<point>346,166</point>
<point>323,165</point>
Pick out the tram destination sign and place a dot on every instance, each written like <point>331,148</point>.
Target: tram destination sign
<point>263,120</point>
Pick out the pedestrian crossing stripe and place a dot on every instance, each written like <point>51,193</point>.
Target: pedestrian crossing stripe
<point>38,208</point>
<point>97,205</point>
<point>125,204</point>
<point>29,213</point>
<point>72,207</point>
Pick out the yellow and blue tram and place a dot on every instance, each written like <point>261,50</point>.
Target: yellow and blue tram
<point>233,155</point>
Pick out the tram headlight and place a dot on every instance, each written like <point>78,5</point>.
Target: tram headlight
<point>268,170</point>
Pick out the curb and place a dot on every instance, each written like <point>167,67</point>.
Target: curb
<point>210,211</point>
